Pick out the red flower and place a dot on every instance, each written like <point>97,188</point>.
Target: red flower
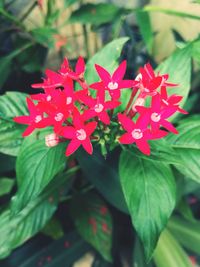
<point>138,132</point>
<point>66,70</point>
<point>79,134</point>
<point>34,120</point>
<point>171,101</point>
<point>113,83</point>
<point>148,82</point>
<point>158,114</point>
<point>52,80</point>
<point>98,107</point>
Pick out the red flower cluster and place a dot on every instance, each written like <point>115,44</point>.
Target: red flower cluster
<point>75,115</point>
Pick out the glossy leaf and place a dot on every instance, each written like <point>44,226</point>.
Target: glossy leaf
<point>6,185</point>
<point>150,192</point>
<point>187,232</point>
<point>103,173</point>
<point>36,166</point>
<point>178,66</point>
<point>187,146</point>
<point>10,137</point>
<point>93,222</point>
<point>53,229</point>
<point>96,14</point>
<point>170,253</point>
<point>18,228</point>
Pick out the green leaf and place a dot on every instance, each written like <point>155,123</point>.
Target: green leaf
<point>18,228</point>
<point>187,232</point>
<point>6,186</point>
<point>138,255</point>
<point>68,3</point>
<point>150,192</point>
<point>178,66</point>
<point>96,14</point>
<point>12,104</point>
<point>108,56</point>
<point>53,229</point>
<point>169,252</point>
<point>7,163</point>
<point>93,222</point>
<point>103,173</point>
<point>10,137</point>
<point>187,146</point>
<point>44,36</point>
<point>36,166</point>
<point>144,23</point>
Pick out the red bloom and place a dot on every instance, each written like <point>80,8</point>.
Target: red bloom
<point>34,120</point>
<point>148,82</point>
<point>113,83</point>
<point>138,132</point>
<point>52,80</point>
<point>98,107</point>
<point>79,134</point>
<point>66,70</point>
<point>172,100</point>
<point>158,114</point>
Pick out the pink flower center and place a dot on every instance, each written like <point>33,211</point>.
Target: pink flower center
<point>146,90</point>
<point>137,134</point>
<point>81,134</point>
<point>112,86</point>
<point>98,108</point>
<point>59,116</point>
<point>38,118</point>
<point>48,98</point>
<point>69,100</point>
<point>155,117</point>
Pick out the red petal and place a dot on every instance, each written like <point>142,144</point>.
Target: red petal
<point>126,84</point>
<point>103,73</point>
<point>28,130</point>
<point>103,116</point>
<point>143,146</point>
<point>119,72</point>
<point>149,70</point>
<point>174,99</point>
<point>31,106</point>
<point>72,147</point>
<point>87,145</point>
<point>22,119</point>
<point>111,104</point>
<point>68,132</point>
<point>115,94</point>
<point>97,86</point>
<point>80,66</point>
<point>169,127</point>
<point>126,139</point>
<point>126,123</point>
<point>155,83</point>
<point>90,127</point>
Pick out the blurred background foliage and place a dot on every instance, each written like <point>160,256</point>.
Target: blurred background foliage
<point>36,35</point>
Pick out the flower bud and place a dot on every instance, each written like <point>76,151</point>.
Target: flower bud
<point>51,140</point>
<point>139,102</point>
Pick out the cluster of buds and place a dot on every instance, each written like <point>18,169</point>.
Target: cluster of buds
<point>81,116</point>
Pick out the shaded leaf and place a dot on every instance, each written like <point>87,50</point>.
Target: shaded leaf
<point>53,229</point>
<point>6,185</point>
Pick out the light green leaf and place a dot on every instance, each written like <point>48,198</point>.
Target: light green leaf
<point>15,230</point>
<point>6,185</point>
<point>12,104</point>
<point>36,166</point>
<point>150,192</point>
<point>187,232</point>
<point>93,222</point>
<point>178,66</point>
<point>144,24</point>
<point>96,14</point>
<point>187,146</point>
<point>169,252</point>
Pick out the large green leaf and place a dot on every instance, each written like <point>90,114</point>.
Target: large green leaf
<point>169,253</point>
<point>53,229</point>
<point>187,146</point>
<point>150,192</point>
<point>10,137</point>
<point>96,14</point>
<point>103,173</point>
<point>36,166</point>
<point>178,66</point>
<point>12,104</point>
<point>16,229</point>
<point>93,221</point>
<point>187,232</point>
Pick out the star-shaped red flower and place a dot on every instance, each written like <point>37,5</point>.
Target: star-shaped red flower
<point>137,132</point>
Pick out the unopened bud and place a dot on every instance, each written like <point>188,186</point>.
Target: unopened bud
<point>51,140</point>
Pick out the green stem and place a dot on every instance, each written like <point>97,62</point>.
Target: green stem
<point>29,10</point>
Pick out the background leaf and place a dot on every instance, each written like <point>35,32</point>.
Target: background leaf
<point>93,221</point>
<point>6,185</point>
<point>150,193</point>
